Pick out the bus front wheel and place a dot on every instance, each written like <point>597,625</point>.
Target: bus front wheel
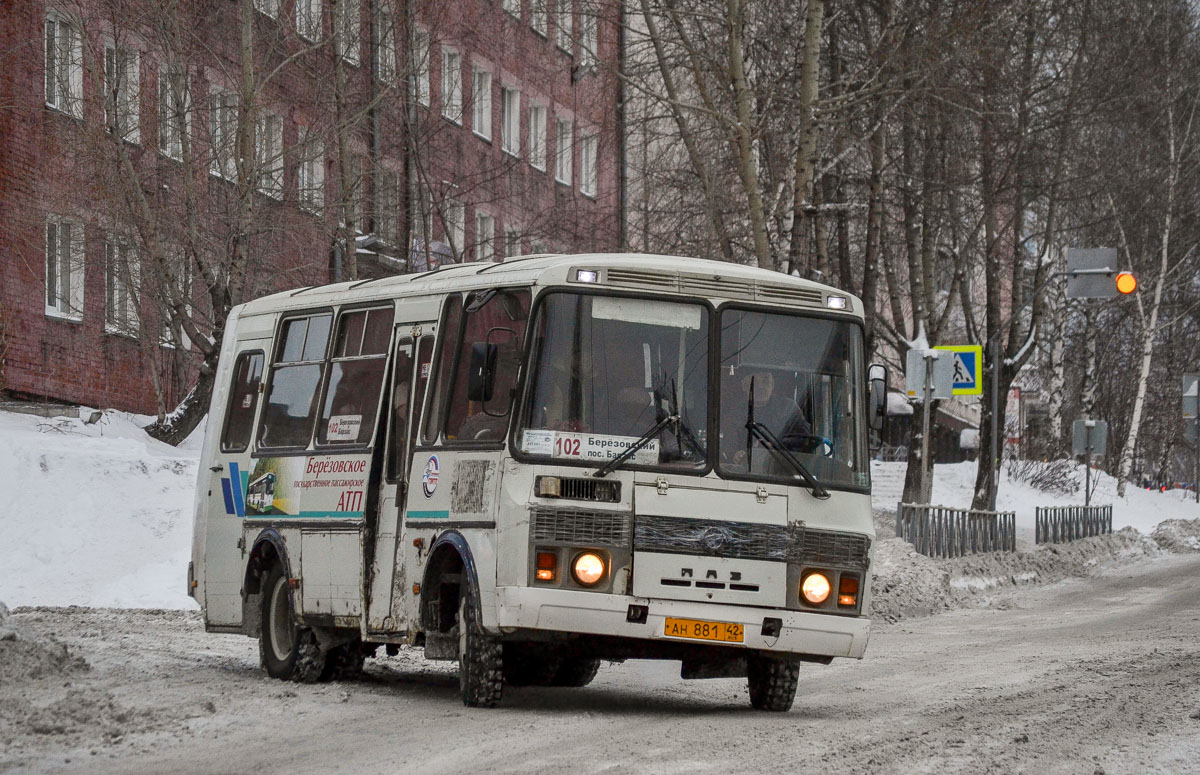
<point>287,651</point>
<point>480,657</point>
<point>772,682</point>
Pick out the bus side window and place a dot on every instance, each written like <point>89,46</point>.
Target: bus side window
<point>355,377</point>
<point>287,419</point>
<point>243,400</point>
<point>402,367</point>
<point>499,321</point>
<point>447,341</point>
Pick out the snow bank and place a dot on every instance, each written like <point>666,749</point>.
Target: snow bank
<point>1178,535</point>
<point>94,514</point>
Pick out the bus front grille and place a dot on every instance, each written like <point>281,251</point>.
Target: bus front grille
<point>581,527</point>
<point>827,549</point>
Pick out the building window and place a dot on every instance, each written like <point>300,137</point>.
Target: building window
<point>587,164</point>
<point>267,7</point>
<point>268,141</point>
<point>512,242</point>
<point>455,222</point>
<point>537,17</point>
<point>513,7</point>
<point>485,236</point>
<point>64,268</point>
<point>452,85</point>
<point>122,281</point>
<point>311,174</point>
<point>121,92</point>
<point>352,196</point>
<point>564,20</point>
<point>177,285</point>
<point>64,65</point>
<point>172,110</point>
<point>562,152</point>
<point>385,51</point>
<point>348,18</point>
<point>481,97</point>
<point>387,205</point>
<point>222,127</point>
<point>419,67</point>
<point>510,121</point>
<point>537,136</point>
<point>587,34</point>
<point>308,19</point>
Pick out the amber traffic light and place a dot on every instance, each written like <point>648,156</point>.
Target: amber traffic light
<point>1126,282</point>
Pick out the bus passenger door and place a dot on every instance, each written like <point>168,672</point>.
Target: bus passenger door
<point>410,373</point>
<point>229,464</point>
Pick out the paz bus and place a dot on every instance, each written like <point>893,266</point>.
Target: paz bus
<point>535,465</point>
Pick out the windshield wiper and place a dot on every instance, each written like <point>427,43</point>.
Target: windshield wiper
<point>773,445</point>
<point>633,448</point>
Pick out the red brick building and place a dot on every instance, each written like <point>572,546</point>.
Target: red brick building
<point>159,164</point>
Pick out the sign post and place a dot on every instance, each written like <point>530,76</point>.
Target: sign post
<point>1089,438</point>
<point>931,374</point>
<point>1191,411</point>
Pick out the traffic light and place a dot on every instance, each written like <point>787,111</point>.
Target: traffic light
<point>1126,283</point>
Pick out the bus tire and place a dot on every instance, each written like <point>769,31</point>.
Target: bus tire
<point>287,651</point>
<point>772,682</point>
<point>575,671</point>
<point>480,657</point>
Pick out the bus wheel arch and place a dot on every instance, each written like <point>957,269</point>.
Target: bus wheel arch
<point>449,570</point>
<point>269,550</point>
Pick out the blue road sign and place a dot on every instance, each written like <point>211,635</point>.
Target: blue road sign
<point>968,368</point>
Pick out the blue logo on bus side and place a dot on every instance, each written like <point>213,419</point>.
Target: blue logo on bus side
<point>235,494</point>
<point>429,478</point>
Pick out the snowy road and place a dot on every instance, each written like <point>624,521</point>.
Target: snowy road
<point>1086,676</point>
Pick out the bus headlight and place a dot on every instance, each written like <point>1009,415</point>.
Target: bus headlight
<point>815,588</point>
<point>588,569</point>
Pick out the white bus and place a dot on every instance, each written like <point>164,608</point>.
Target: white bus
<point>534,465</point>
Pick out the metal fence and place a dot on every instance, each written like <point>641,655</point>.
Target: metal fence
<point>938,531</point>
<point>1059,524</point>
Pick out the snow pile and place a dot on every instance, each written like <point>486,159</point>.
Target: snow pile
<point>94,514</point>
<point>906,584</point>
<point>1180,536</point>
<point>23,657</point>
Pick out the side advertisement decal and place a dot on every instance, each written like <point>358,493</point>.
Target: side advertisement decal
<point>324,486</point>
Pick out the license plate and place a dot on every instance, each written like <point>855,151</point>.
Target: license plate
<point>726,632</point>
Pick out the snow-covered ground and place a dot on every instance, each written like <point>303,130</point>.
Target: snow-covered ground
<point>94,514</point>
<point>101,515</point>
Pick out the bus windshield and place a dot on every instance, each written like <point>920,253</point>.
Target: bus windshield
<point>795,380</point>
<point>606,370</point>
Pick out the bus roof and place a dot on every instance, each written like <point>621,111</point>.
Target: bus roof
<point>629,271</point>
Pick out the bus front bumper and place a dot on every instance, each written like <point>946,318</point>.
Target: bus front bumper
<point>599,614</point>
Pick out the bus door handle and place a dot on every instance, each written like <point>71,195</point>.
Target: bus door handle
<point>217,467</point>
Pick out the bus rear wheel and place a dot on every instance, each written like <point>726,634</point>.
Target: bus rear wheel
<point>772,682</point>
<point>480,657</point>
<point>575,671</point>
<point>287,651</point>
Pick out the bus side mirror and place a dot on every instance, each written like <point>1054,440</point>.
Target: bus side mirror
<point>876,396</point>
<point>481,377</point>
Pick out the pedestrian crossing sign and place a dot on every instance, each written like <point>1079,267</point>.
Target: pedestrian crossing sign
<point>968,368</point>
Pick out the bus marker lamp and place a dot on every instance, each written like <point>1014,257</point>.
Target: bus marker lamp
<point>547,566</point>
<point>588,569</point>
<point>815,588</point>
<point>848,590</point>
<point>836,302</point>
<point>1126,282</point>
<point>587,276</point>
